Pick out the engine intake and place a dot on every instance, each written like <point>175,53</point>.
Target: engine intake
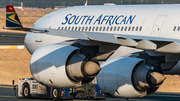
<point>62,66</point>
<point>128,77</point>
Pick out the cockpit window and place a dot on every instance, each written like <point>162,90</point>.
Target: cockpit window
<point>33,25</point>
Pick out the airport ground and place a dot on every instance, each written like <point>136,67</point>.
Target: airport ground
<point>8,94</point>
<point>14,63</point>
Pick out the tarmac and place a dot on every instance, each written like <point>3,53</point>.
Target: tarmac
<point>7,38</point>
<point>7,93</point>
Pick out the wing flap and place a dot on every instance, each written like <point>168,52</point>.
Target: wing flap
<point>159,44</point>
<point>110,38</point>
<point>146,45</point>
<point>128,42</point>
<point>173,47</point>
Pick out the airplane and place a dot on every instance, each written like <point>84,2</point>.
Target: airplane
<point>128,48</point>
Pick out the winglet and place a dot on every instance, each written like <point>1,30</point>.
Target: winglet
<point>12,19</point>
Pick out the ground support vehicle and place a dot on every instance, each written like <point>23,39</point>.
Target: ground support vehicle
<point>28,88</point>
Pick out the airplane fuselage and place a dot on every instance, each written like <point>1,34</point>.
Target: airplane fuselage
<point>143,20</point>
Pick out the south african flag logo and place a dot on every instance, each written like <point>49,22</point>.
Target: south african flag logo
<point>12,19</point>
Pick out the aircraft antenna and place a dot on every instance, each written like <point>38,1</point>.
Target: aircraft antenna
<point>86,3</point>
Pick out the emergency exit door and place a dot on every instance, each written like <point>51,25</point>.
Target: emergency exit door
<point>43,24</point>
<point>158,25</point>
<point>38,37</point>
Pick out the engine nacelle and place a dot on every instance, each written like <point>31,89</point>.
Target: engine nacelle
<point>128,77</point>
<point>62,66</point>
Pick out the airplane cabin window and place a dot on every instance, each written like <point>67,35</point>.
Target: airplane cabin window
<point>65,28</point>
<point>118,28</point>
<point>122,28</point>
<point>69,28</point>
<point>86,29</point>
<point>79,29</point>
<point>136,28</point>
<point>72,28</point>
<point>107,28</point>
<point>104,28</point>
<point>129,29</point>
<point>100,28</point>
<point>58,27</point>
<point>125,28</point>
<point>133,28</point>
<point>82,29</point>
<point>62,28</point>
<point>96,28</point>
<point>179,28</point>
<point>140,28</point>
<point>93,28</point>
<point>111,28</point>
<point>174,28</point>
<point>114,28</point>
<point>89,28</point>
<point>75,28</point>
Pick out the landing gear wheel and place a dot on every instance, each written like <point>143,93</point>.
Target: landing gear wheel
<point>26,92</point>
<point>55,93</point>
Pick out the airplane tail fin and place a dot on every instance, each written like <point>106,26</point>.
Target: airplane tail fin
<point>12,20</point>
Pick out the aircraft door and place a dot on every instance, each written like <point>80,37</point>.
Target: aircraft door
<point>38,37</point>
<point>158,25</point>
<point>43,24</point>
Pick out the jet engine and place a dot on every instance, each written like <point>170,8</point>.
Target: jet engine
<point>128,77</point>
<point>62,66</point>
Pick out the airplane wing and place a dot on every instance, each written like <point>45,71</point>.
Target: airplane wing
<point>165,45</point>
<point>159,44</point>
